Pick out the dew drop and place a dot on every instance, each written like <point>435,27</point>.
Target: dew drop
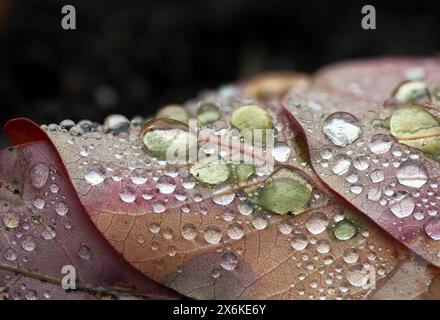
<point>402,205</point>
<point>342,129</point>
<point>281,151</point>
<point>341,164</point>
<point>94,174</point>
<point>39,174</point>
<point>28,243</point>
<point>11,220</point>
<point>166,185</point>
<point>380,143</point>
<point>189,231</point>
<point>432,228</point>
<point>229,261</point>
<point>317,223</point>
<point>235,231</point>
<point>212,235</point>
<point>61,208</point>
<point>84,252</point>
<point>128,195</point>
<point>299,242</point>
<point>412,174</point>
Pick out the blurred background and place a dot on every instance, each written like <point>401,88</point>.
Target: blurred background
<point>133,56</point>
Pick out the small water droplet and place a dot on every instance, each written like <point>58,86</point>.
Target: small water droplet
<point>212,235</point>
<point>94,174</point>
<point>229,261</point>
<point>317,223</point>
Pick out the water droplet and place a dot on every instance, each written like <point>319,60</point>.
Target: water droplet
<point>281,151</point>
<point>380,143</point>
<point>39,174</point>
<point>212,235</point>
<point>317,223</point>
<point>412,174</point>
<point>402,205</point>
<point>159,207</point>
<point>432,228</point>
<point>342,129</point>
<point>299,242</point>
<point>128,195</point>
<point>235,231</point>
<point>116,123</point>
<point>154,227</point>
<point>94,174</point>
<point>344,230</point>
<point>48,233</point>
<point>28,243</point>
<point>222,194</point>
<point>361,163</point>
<point>357,276</point>
<point>326,154</point>
<point>341,164</point>
<point>166,185</point>
<point>139,176</point>
<point>285,227</point>
<point>350,256</point>
<point>189,231</point>
<point>229,261</point>
<point>11,220</point>
<point>377,176</point>
<point>61,208</point>
<point>208,113</point>
<point>84,252</point>
<point>323,246</point>
<point>259,222</point>
<point>39,202</point>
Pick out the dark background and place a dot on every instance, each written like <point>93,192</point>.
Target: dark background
<point>131,57</point>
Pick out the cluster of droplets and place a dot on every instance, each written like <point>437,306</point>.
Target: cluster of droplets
<point>29,227</point>
<point>385,172</point>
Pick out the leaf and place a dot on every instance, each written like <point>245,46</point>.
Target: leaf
<point>393,184</point>
<point>211,241</point>
<point>44,228</point>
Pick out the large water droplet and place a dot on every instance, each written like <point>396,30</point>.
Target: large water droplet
<point>39,174</point>
<point>342,129</point>
<point>223,195</point>
<point>412,174</point>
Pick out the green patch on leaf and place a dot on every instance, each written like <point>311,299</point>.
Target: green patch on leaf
<point>251,117</point>
<point>210,172</point>
<point>242,172</point>
<point>417,128</point>
<point>344,230</point>
<point>174,112</point>
<point>208,113</point>
<point>285,192</point>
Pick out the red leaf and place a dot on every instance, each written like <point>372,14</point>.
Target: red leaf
<point>406,210</point>
<point>46,228</point>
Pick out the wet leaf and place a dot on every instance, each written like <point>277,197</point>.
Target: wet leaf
<point>45,228</point>
<point>379,173</point>
<point>213,240</point>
